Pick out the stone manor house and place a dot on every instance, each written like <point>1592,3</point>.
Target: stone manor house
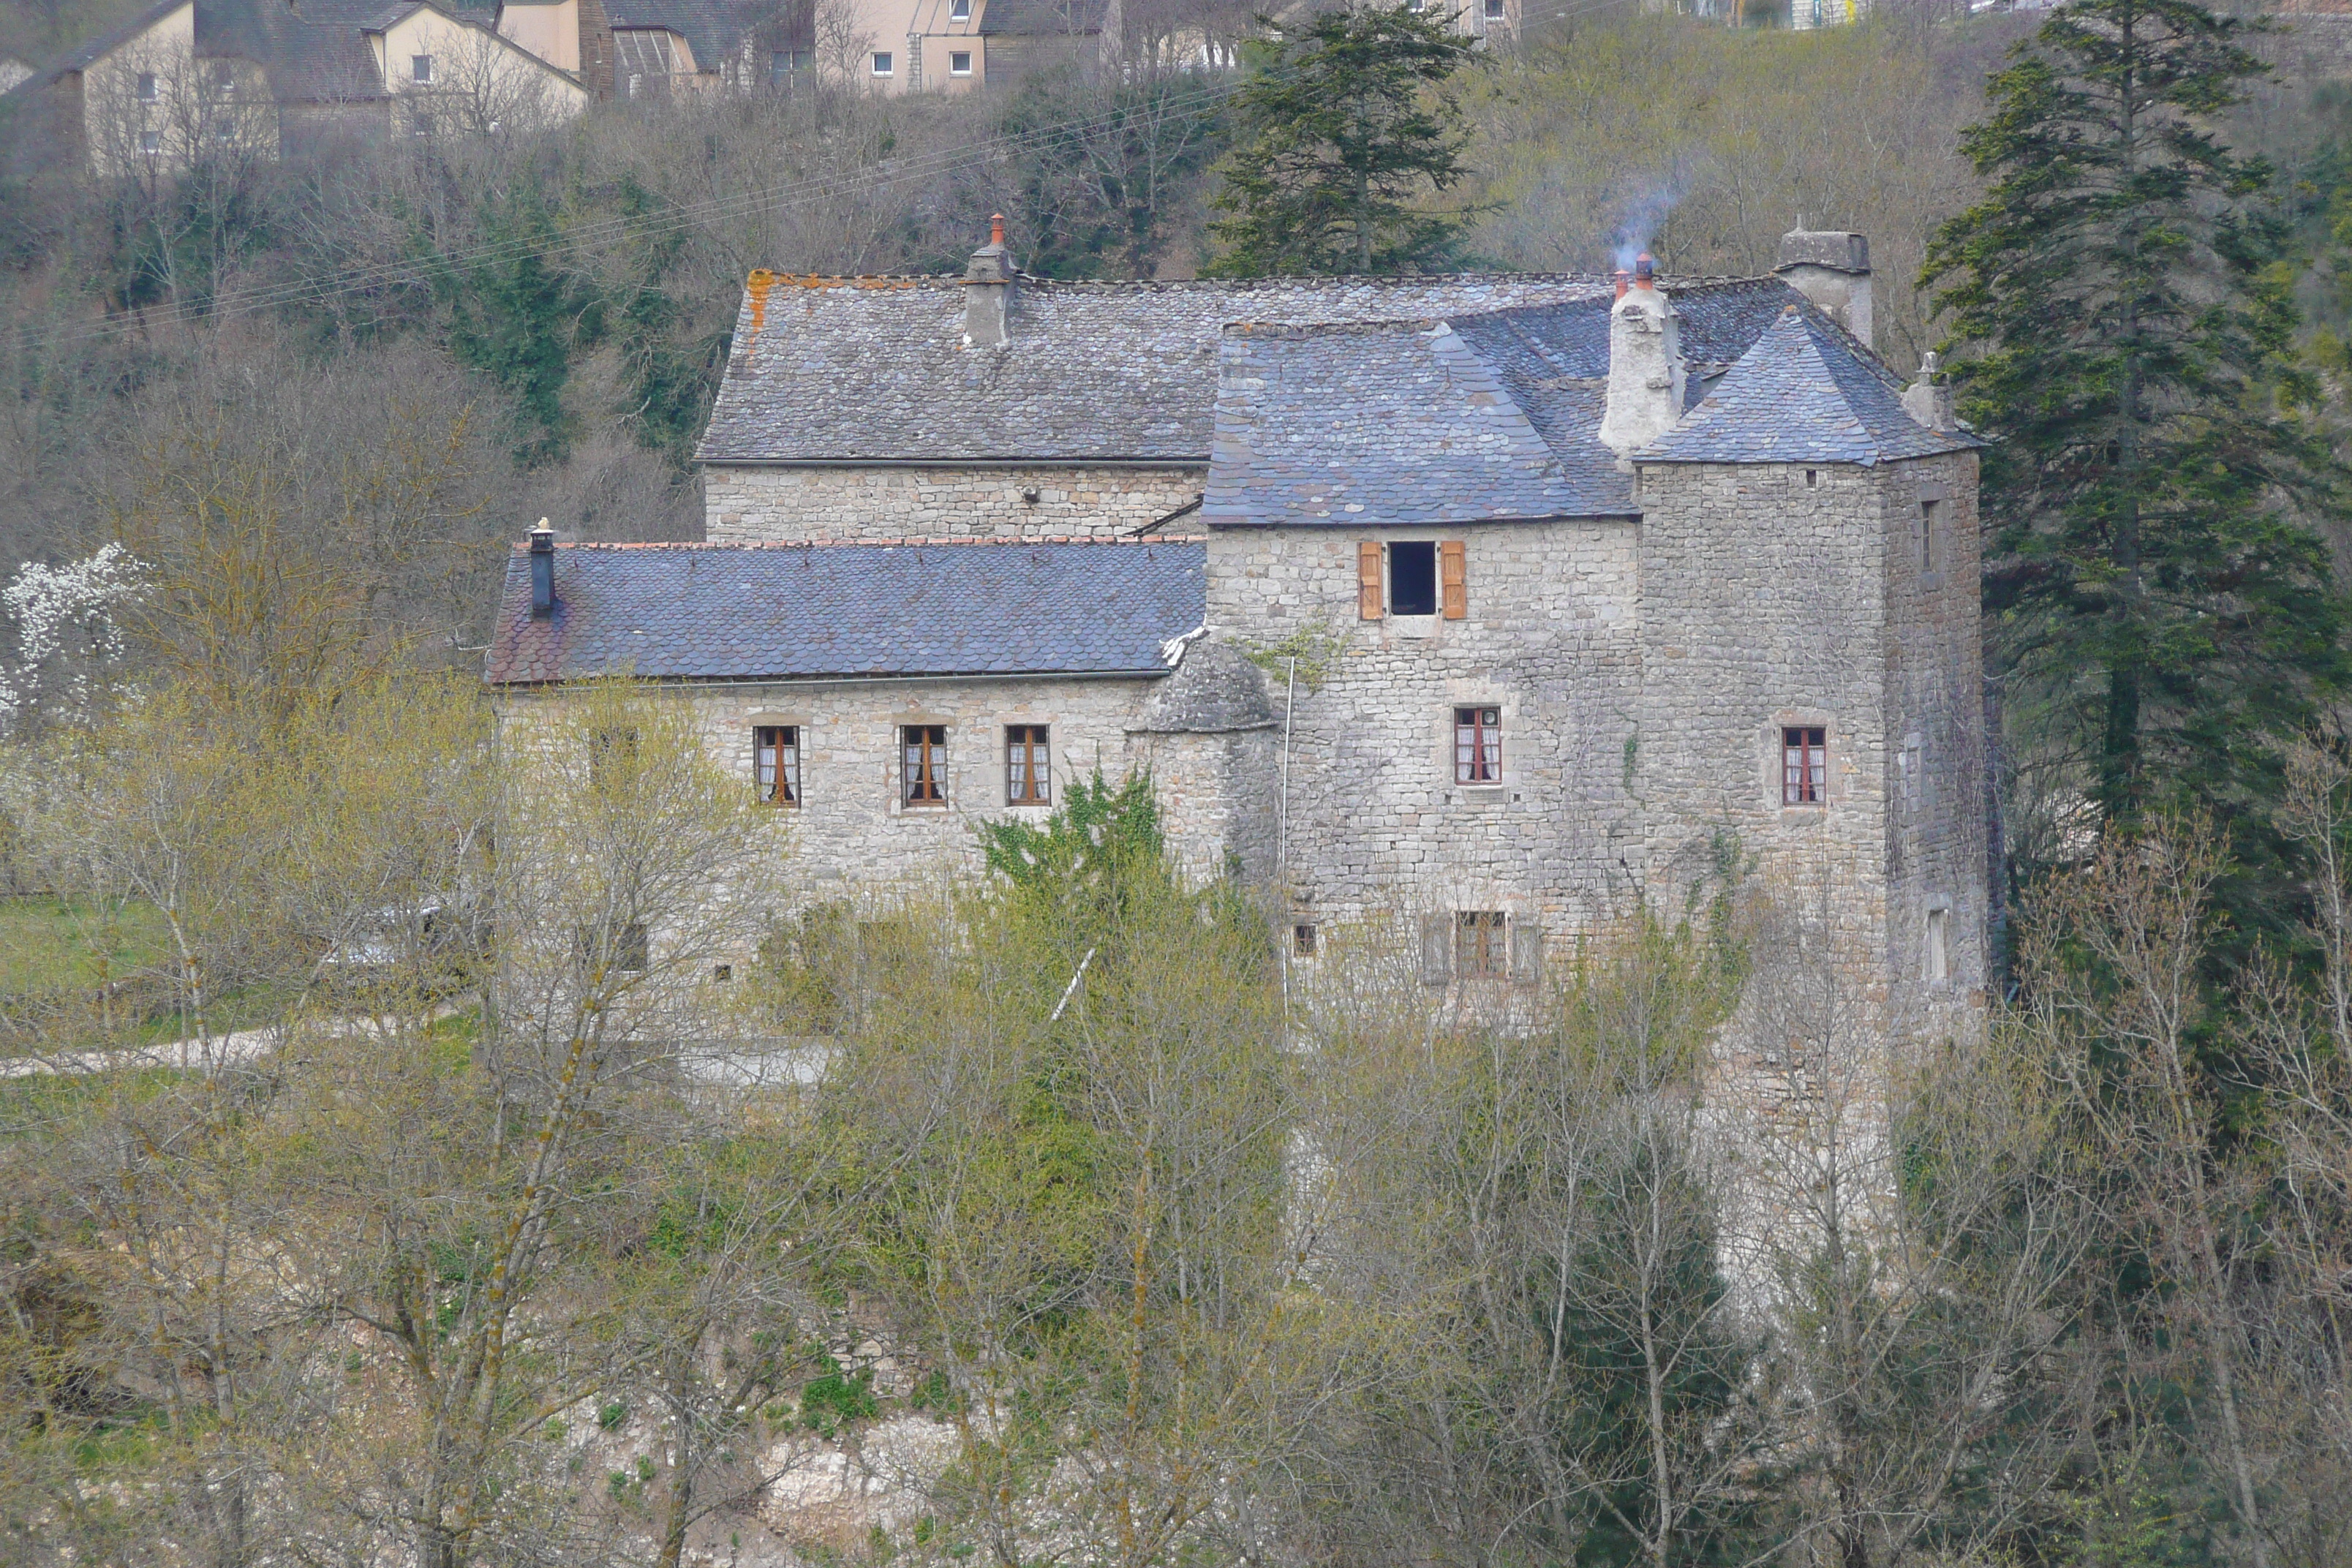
<point>1490,603</point>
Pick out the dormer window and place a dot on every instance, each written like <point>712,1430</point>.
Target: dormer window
<point>960,10</point>
<point>420,70</point>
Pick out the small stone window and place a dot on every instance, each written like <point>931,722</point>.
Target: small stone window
<point>1303,940</point>
<point>146,89</point>
<point>923,781</point>
<point>612,757</point>
<point>883,65</point>
<point>1478,745</point>
<point>1481,947</point>
<point>776,763</point>
<point>1412,578</point>
<point>1939,962</point>
<point>1812,477</point>
<point>959,62</point>
<point>420,70</point>
<point>1028,771</point>
<point>623,948</point>
<point>1931,521</point>
<point>1804,766</point>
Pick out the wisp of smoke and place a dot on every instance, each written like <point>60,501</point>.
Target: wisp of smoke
<point>1645,214</point>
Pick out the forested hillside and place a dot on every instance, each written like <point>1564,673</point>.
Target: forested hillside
<point>427,1147</point>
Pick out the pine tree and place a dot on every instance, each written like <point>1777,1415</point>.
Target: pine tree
<point>2157,598</point>
<point>1347,122</point>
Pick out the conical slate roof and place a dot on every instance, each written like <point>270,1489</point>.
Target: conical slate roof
<point>1805,393</point>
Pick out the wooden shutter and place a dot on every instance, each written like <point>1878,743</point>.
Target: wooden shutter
<point>1452,576</point>
<point>1436,949</point>
<point>1526,952</point>
<point>1368,580</point>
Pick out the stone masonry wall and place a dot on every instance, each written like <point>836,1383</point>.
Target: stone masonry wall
<point>1763,607</point>
<point>762,505</point>
<point>1935,704</point>
<point>1376,822</point>
<point>851,840</point>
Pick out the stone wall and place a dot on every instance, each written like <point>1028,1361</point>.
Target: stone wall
<point>1376,822</point>
<point>851,839</point>
<point>1778,596</point>
<point>766,504</point>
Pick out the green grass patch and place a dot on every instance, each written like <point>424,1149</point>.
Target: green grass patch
<point>51,944</point>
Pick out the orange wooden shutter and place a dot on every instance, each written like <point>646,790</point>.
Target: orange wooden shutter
<point>1451,569</point>
<point>1368,580</point>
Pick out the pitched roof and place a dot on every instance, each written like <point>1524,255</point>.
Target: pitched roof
<point>1805,393</point>
<point>91,51</point>
<point>915,607</point>
<point>713,29</point>
<point>876,369</point>
<point>1040,19</point>
<point>1394,423</point>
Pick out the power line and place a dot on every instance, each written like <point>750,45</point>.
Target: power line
<point>1191,103</point>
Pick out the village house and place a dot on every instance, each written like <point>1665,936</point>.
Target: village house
<point>1497,602</point>
<point>190,78</point>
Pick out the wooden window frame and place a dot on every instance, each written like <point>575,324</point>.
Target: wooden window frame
<point>1028,764</point>
<point>778,783</point>
<point>1371,600</point>
<point>1805,764</point>
<point>1482,944</point>
<point>922,766</point>
<point>1478,745</point>
<point>1453,579</point>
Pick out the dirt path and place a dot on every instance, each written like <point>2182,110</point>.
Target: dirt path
<point>181,1056</point>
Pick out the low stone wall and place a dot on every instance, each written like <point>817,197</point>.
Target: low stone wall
<point>763,505</point>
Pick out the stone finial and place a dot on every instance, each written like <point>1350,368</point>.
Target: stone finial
<point>1831,268</point>
<point>1929,400</point>
<point>988,290</point>
<point>1645,365</point>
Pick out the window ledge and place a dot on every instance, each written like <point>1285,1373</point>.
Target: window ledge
<point>1415,625</point>
<point>1482,794</point>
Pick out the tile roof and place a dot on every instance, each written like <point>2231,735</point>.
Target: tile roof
<point>1805,393</point>
<point>750,612</point>
<point>1390,422</point>
<point>875,370</point>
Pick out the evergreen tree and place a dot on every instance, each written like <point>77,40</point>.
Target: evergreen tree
<point>2157,598</point>
<point>1348,120</point>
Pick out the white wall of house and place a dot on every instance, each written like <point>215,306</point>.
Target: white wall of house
<point>469,77</point>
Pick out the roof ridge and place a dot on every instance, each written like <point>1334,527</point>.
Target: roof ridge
<point>907,542</point>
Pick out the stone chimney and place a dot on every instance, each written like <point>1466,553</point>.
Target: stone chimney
<point>1831,268</point>
<point>543,572</point>
<point>988,290</point>
<point>1645,363</point>
<point>1929,399</point>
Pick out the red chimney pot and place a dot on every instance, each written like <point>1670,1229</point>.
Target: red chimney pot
<point>1645,270</point>
<point>996,228</point>
<point>1622,277</point>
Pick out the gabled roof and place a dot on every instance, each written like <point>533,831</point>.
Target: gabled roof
<point>875,370</point>
<point>1396,422</point>
<point>1806,392</point>
<point>757,612</point>
<point>91,52</point>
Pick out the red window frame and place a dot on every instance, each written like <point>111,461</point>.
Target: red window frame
<point>1028,765</point>
<point>1805,764</point>
<point>776,763</point>
<point>923,775</point>
<point>1477,745</point>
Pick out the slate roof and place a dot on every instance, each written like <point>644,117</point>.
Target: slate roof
<point>1805,393</point>
<point>875,370</point>
<point>750,612</point>
<point>1040,19</point>
<point>712,28</point>
<point>91,51</point>
<point>1394,423</point>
